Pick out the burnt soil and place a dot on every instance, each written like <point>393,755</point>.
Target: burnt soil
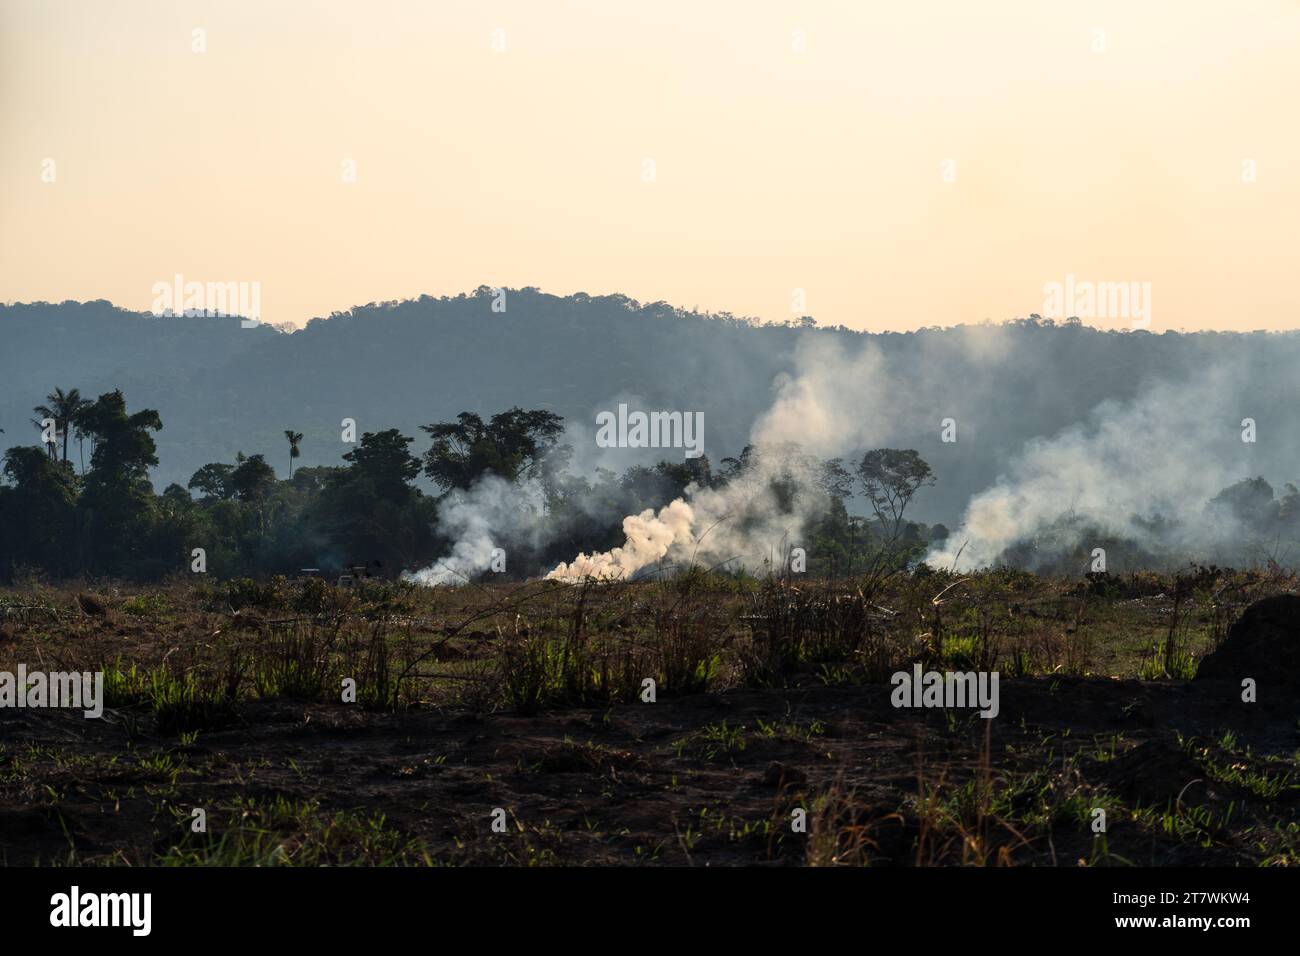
<point>705,779</point>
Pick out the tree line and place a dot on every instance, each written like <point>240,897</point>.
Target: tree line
<point>80,502</point>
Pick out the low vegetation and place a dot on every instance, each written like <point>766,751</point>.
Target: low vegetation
<point>770,696</point>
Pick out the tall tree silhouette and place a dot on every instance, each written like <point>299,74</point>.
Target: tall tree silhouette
<point>294,439</point>
<point>64,408</point>
<point>252,481</point>
<point>118,499</point>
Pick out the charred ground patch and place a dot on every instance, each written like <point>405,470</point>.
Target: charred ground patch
<point>740,736</point>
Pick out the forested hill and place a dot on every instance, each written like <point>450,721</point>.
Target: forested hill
<point>221,389</point>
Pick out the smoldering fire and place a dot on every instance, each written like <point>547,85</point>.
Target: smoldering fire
<point>1110,471</point>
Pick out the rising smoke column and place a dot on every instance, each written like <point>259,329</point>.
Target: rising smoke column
<point>837,400</point>
<point>650,538</point>
<point>1166,453</point>
<point>493,513</point>
<point>744,522</point>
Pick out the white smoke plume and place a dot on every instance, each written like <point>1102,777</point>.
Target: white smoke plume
<point>491,514</point>
<point>1141,469</point>
<point>650,538</point>
<point>750,522</point>
<point>837,401</point>
<point>1129,465</point>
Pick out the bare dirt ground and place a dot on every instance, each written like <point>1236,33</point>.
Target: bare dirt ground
<point>1185,772</point>
<point>709,779</point>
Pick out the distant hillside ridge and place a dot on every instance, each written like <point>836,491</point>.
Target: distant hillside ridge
<point>221,389</point>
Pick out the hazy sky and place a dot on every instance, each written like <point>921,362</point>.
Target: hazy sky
<point>795,146</point>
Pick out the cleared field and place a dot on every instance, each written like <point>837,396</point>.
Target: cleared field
<point>770,698</point>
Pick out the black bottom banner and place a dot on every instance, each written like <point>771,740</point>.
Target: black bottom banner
<point>233,906</point>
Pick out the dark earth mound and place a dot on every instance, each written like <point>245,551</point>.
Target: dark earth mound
<point>1264,644</point>
<point>1158,773</point>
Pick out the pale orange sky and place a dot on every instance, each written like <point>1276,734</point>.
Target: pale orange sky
<point>775,170</point>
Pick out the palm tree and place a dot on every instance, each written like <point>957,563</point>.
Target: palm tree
<point>80,431</point>
<point>63,408</point>
<point>294,438</point>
